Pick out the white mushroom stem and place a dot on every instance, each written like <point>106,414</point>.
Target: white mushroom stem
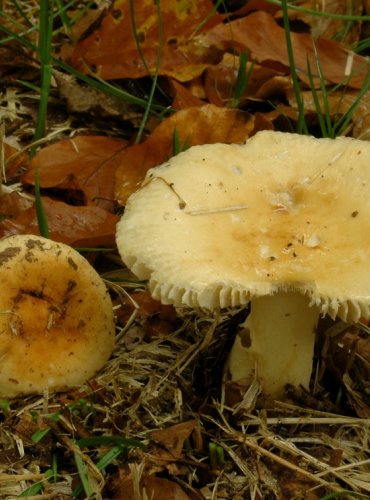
<point>276,343</point>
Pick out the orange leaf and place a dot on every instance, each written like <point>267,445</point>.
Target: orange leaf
<point>260,34</point>
<point>84,163</point>
<point>182,97</point>
<point>156,488</point>
<point>198,125</point>
<point>13,160</point>
<point>77,226</point>
<point>111,51</point>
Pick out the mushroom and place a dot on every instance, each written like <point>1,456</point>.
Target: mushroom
<point>280,222</point>
<point>56,317</point>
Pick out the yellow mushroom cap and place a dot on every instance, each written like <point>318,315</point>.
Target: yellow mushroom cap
<point>56,317</point>
<point>219,225</point>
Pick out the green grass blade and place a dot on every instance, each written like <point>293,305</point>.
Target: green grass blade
<point>54,468</point>
<point>19,37</point>
<point>44,100</point>
<point>176,143</point>
<point>38,435</point>
<point>111,455</point>
<point>5,407</point>
<point>18,7</point>
<point>242,78</point>
<point>106,87</point>
<point>136,36</point>
<point>32,491</point>
<point>40,212</point>
<point>361,45</point>
<point>36,488</point>
<point>62,14</point>
<point>208,16</point>
<point>177,146</point>
<point>320,115</point>
<point>324,94</point>
<point>84,476</point>
<point>342,124</point>
<point>155,76</point>
<point>301,126</point>
<point>121,446</point>
<point>45,36</point>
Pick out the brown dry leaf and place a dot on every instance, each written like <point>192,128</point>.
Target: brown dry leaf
<point>253,5</point>
<point>111,51</point>
<point>173,438</point>
<point>90,18</point>
<point>15,64</point>
<point>151,487</point>
<point>84,164</point>
<point>265,39</point>
<point>220,80</point>
<point>78,226</point>
<point>200,125</point>
<point>182,96</point>
<point>14,161</point>
<point>339,103</point>
<point>156,319</point>
<point>326,27</point>
<point>12,204</point>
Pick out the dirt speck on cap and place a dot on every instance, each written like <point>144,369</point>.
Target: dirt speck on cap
<point>8,254</point>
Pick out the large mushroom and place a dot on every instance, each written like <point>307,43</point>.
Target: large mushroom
<point>56,317</point>
<point>281,223</point>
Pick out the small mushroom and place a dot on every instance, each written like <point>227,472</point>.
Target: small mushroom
<point>280,222</point>
<point>56,317</point>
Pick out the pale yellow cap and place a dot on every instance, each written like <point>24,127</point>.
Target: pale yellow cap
<point>219,225</point>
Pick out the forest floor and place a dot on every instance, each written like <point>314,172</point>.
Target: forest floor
<point>92,95</point>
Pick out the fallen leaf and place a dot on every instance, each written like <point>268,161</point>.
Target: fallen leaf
<point>198,125</point>
<point>182,96</point>
<point>82,98</point>
<point>77,226</point>
<point>15,64</point>
<point>244,8</point>
<point>173,438</point>
<point>339,104</point>
<point>85,164</point>
<point>154,319</point>
<point>14,161</point>
<point>111,50</point>
<point>220,80</point>
<point>151,487</point>
<point>329,27</point>
<point>85,23</point>
<point>12,204</point>
<point>265,39</point>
